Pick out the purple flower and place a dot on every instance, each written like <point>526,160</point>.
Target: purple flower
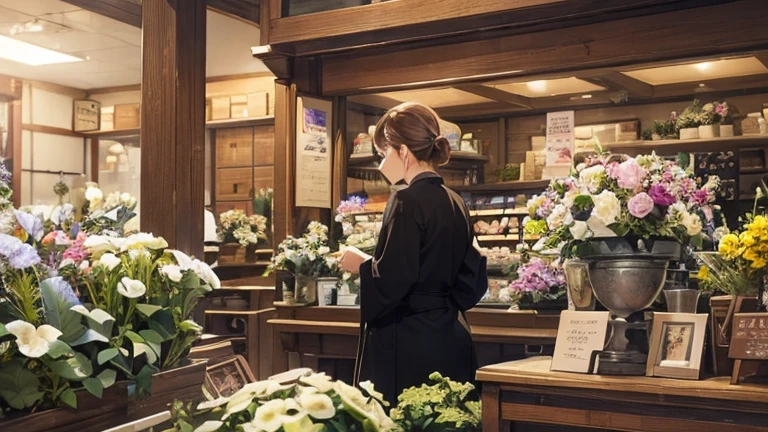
<point>24,257</point>
<point>537,275</point>
<point>8,245</point>
<point>545,208</point>
<point>700,197</point>
<point>31,224</point>
<point>640,205</point>
<point>661,196</point>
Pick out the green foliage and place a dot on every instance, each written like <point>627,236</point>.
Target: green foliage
<point>59,314</point>
<point>509,172</point>
<point>19,387</point>
<point>442,406</point>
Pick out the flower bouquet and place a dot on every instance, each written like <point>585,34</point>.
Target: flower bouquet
<point>104,216</point>
<point>359,229</point>
<point>240,234</point>
<point>315,403</point>
<point>536,283</point>
<point>689,121</point>
<point>442,406</point>
<point>306,258</point>
<point>608,196</point>
<point>262,205</point>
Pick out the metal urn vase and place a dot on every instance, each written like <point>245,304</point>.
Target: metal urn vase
<point>579,289</point>
<point>627,278</point>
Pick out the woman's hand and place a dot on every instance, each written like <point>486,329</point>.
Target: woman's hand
<point>352,258</point>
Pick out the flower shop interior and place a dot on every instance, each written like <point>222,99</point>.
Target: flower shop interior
<point>613,157</point>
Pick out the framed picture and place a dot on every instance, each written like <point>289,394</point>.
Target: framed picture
<point>225,378</point>
<point>86,116</point>
<point>677,343</point>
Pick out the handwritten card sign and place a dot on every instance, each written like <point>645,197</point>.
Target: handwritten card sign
<point>560,139</point>
<point>749,336</point>
<point>578,335</point>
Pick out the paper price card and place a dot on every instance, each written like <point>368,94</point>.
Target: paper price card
<point>579,334</point>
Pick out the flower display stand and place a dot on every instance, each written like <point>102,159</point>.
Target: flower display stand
<point>116,406</point>
<point>234,253</point>
<point>721,316</point>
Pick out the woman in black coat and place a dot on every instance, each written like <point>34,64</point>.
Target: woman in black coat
<point>425,272</point>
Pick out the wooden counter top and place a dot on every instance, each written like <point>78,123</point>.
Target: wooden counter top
<point>525,392</point>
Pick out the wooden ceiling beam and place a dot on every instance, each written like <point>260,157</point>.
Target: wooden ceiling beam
<point>617,81</point>
<point>496,94</point>
<point>129,11</point>
<point>619,43</point>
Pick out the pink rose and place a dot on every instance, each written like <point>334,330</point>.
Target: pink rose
<point>630,174</point>
<point>640,205</point>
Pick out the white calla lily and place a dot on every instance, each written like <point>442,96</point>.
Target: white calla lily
<point>110,261</point>
<point>33,343</point>
<point>269,417</point>
<point>173,272</point>
<point>210,426</point>
<point>210,404</point>
<point>131,288</point>
<point>320,381</point>
<point>318,405</point>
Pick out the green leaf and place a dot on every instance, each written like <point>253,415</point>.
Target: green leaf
<point>144,381</point>
<point>582,202</point>
<point>107,377</point>
<point>134,337</point>
<point>88,337</point>
<point>94,387</point>
<point>3,330</point>
<point>69,398</point>
<point>151,336</point>
<point>620,229</point>
<point>18,386</point>
<point>98,320</point>
<point>147,309</point>
<point>144,349</point>
<point>59,314</point>
<point>163,323</point>
<point>76,368</point>
<point>106,355</point>
<point>58,348</point>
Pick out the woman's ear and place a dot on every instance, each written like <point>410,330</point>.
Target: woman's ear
<point>403,151</point>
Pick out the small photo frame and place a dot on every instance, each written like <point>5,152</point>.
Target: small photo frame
<point>677,344</point>
<point>326,291</point>
<point>225,378</point>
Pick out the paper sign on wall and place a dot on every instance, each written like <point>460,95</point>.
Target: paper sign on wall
<point>579,334</point>
<point>560,139</point>
<point>313,153</point>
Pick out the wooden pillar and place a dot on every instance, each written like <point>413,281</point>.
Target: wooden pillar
<point>13,150</point>
<point>173,122</point>
<point>285,162</point>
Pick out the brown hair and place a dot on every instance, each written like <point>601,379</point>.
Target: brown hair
<point>417,127</point>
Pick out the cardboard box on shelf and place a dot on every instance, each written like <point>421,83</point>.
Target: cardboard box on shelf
<point>220,108</point>
<point>258,104</point>
<point>238,106</point>
<point>127,116</point>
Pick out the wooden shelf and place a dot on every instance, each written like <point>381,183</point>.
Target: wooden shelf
<point>363,161</point>
<point>672,147</point>
<point>499,212</point>
<point>514,186</point>
<point>120,133</point>
<point>242,122</point>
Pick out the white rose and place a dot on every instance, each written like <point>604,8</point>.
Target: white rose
<point>692,224</point>
<point>172,271</point>
<point>110,261</point>
<point>598,228</point>
<point>579,230</point>
<point>125,197</point>
<point>131,288</point>
<point>607,207</point>
<point>570,197</point>
<point>556,219</point>
<point>591,177</point>
<point>94,194</point>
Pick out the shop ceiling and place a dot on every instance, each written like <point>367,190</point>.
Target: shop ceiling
<point>111,48</point>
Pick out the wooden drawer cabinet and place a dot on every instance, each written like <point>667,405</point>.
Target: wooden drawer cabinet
<point>234,183</point>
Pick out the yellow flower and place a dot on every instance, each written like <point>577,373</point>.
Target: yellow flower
<point>703,274</point>
<point>746,238</point>
<point>729,246</point>
<point>758,263</point>
<point>758,223</point>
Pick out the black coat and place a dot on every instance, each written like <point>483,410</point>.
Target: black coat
<point>409,301</point>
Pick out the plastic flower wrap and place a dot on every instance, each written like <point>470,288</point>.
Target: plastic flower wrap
<point>617,196</point>
<point>443,406</point>
<point>237,227</point>
<point>315,403</point>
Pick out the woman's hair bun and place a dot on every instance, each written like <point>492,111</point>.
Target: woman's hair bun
<point>441,152</point>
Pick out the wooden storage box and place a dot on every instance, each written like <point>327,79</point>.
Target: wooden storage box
<point>258,104</point>
<point>220,109</point>
<point>108,118</point>
<point>233,184</point>
<point>234,147</point>
<point>238,106</point>
<point>127,116</point>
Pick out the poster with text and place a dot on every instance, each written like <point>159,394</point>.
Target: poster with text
<point>560,138</point>
<point>313,153</point>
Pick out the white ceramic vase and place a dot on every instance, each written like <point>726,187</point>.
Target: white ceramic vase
<point>709,131</point>
<point>726,130</point>
<point>689,133</point>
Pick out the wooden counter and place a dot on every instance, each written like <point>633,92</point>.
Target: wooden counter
<point>525,392</point>
<point>325,338</point>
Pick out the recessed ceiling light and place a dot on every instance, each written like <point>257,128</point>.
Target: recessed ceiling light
<point>703,66</point>
<point>586,96</point>
<point>702,85</point>
<point>33,55</point>
<point>539,86</point>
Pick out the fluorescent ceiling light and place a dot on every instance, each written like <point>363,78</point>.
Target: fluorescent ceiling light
<point>33,55</point>
<point>703,66</point>
<point>539,86</point>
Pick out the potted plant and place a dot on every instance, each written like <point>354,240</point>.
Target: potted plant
<point>724,113</point>
<point>510,172</point>
<point>710,120</point>
<point>262,205</point>
<point>86,312</point>
<point>665,129</point>
<point>689,121</point>
<point>315,403</point>
<point>240,234</point>
<point>306,258</point>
